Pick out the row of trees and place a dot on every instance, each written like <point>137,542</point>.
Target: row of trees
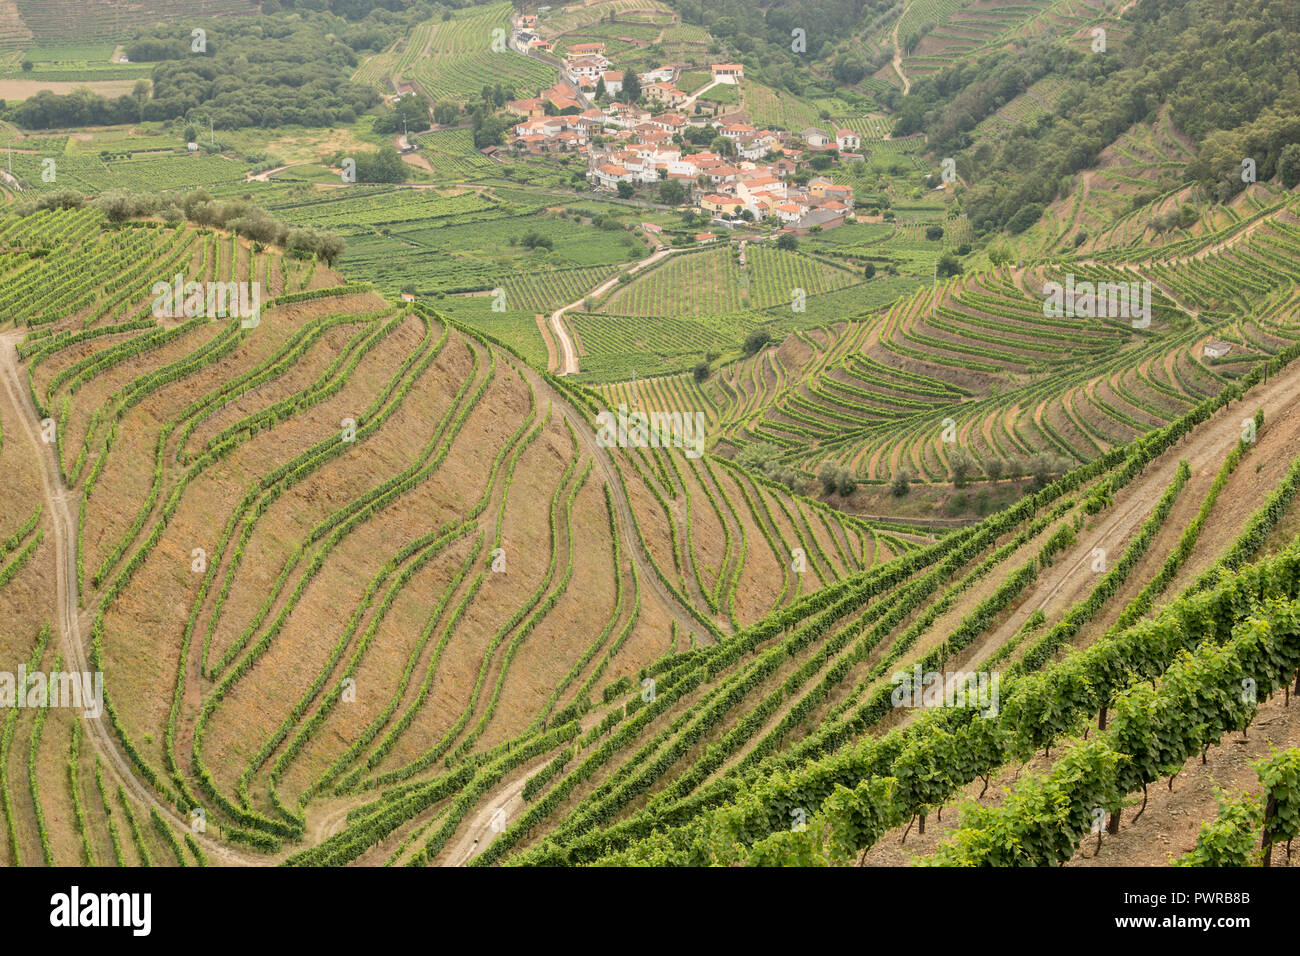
<point>250,71</point>
<point>198,206</point>
<point>1042,468</point>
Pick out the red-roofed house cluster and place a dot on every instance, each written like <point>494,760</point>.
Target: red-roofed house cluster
<point>639,148</point>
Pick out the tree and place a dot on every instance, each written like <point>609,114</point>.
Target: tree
<point>948,266</point>
<point>787,241</point>
<point>631,92</point>
<point>625,190</point>
<point>1025,217</point>
<point>383,166</point>
<point>672,193</point>
<point>446,112</point>
<point>1040,467</point>
<point>961,465</point>
<point>757,340</point>
<point>993,468</point>
<point>723,146</point>
<point>869,270</point>
<point>488,128</point>
<point>934,232</point>
<point>898,485</point>
<point>701,371</point>
<point>828,475</point>
<point>601,92</point>
<point>1000,254</point>
<point>140,93</point>
<point>28,66</point>
<point>1288,165</point>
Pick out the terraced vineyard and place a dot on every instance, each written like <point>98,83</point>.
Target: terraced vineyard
<point>531,530</point>
<point>713,281</point>
<point>451,239</point>
<point>257,508</point>
<point>468,52</point>
<point>935,33</point>
<point>973,364</point>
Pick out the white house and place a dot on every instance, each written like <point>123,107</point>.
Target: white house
<point>610,175</point>
<point>664,74</point>
<point>815,137</point>
<point>728,72</point>
<point>613,82</point>
<point>847,139</point>
<point>587,67</point>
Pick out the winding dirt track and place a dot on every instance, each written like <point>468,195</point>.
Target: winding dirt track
<point>587,435</point>
<point>898,58</point>
<point>61,508</point>
<point>568,358</point>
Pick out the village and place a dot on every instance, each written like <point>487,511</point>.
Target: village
<point>729,170</point>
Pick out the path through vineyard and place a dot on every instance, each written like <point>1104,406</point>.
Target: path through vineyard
<point>62,511</point>
<point>898,55</point>
<point>627,528</point>
<point>1070,578</point>
<point>568,359</point>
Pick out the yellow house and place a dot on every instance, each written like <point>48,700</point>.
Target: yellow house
<point>720,205</point>
<point>817,187</point>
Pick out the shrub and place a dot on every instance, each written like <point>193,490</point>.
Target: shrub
<point>756,341</point>
<point>961,464</point>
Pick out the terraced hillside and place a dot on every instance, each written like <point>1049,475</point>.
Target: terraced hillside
<point>932,34</point>
<point>506,523</point>
<point>972,365</point>
<point>481,564</point>
<point>800,755</point>
<point>383,581</point>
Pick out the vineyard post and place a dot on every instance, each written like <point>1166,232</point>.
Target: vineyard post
<point>1265,844</point>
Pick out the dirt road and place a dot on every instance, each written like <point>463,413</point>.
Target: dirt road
<point>568,354</point>
<point>898,56</point>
